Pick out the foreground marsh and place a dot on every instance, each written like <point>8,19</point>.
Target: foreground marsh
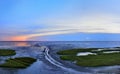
<point>41,66</point>
<point>21,62</point>
<point>7,52</point>
<point>91,60</point>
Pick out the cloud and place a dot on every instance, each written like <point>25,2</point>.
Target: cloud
<point>96,23</point>
<point>27,37</point>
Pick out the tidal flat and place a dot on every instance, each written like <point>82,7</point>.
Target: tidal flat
<point>45,65</point>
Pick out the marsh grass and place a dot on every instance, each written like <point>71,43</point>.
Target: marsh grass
<point>21,62</point>
<point>7,52</point>
<point>75,51</point>
<point>101,59</point>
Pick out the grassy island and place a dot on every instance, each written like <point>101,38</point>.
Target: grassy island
<point>100,59</point>
<point>75,51</point>
<point>7,52</point>
<point>21,62</point>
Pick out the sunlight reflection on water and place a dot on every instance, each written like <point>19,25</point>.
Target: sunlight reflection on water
<point>16,43</point>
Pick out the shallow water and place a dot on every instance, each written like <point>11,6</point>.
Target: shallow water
<point>84,44</point>
<point>85,53</point>
<point>111,52</point>
<point>42,66</point>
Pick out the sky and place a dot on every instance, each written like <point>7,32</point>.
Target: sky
<point>59,20</point>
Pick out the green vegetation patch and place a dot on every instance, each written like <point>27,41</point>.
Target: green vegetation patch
<point>7,52</point>
<point>101,59</point>
<point>21,62</point>
<point>94,60</point>
<point>75,51</point>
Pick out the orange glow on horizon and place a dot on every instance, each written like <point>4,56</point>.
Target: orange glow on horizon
<point>18,38</point>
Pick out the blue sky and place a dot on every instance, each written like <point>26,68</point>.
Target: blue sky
<point>60,20</point>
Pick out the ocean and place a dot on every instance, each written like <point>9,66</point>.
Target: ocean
<point>77,44</point>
